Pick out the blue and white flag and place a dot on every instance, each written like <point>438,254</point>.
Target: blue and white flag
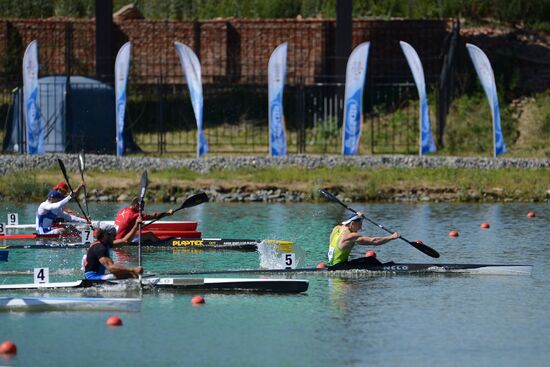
<point>426,139</point>
<point>276,72</point>
<point>356,70</point>
<point>122,65</point>
<point>192,71</point>
<point>33,117</point>
<point>487,78</point>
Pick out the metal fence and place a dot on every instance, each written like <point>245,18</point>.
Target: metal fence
<point>235,119</point>
<point>160,118</point>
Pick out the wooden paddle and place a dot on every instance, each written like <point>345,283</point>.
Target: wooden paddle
<point>191,201</point>
<point>82,167</point>
<point>141,196</point>
<point>64,171</point>
<point>419,246</point>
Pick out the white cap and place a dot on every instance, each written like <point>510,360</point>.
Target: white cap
<point>355,218</point>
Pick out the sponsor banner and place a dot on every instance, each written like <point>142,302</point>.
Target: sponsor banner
<point>33,118</point>
<point>192,71</point>
<point>487,78</point>
<point>276,71</point>
<point>122,65</point>
<point>356,71</point>
<point>427,144</point>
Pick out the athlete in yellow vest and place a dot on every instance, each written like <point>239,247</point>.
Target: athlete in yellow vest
<point>345,236</point>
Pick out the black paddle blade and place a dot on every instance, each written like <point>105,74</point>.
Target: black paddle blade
<point>64,171</point>
<point>143,186</point>
<point>62,166</point>
<point>194,200</point>
<point>425,249</point>
<point>329,196</point>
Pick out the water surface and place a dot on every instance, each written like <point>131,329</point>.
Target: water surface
<point>377,321</point>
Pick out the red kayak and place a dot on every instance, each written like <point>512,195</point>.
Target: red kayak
<point>161,229</point>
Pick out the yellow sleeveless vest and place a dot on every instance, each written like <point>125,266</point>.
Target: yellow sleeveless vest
<point>335,254</point>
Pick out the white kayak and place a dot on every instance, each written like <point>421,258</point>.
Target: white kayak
<point>26,304</point>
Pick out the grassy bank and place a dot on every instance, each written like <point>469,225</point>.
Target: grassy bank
<point>380,184</point>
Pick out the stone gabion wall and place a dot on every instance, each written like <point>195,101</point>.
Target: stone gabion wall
<point>15,163</point>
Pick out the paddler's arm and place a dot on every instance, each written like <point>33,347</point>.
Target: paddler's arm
<point>72,218</point>
<point>157,215</point>
<point>57,205</point>
<point>349,239</point>
<point>75,193</point>
<point>376,241</point>
<point>120,271</point>
<point>126,239</point>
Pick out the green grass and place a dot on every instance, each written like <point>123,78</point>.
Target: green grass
<point>357,184</point>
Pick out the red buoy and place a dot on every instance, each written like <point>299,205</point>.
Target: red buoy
<point>197,300</point>
<point>321,266</point>
<point>114,321</point>
<point>370,253</point>
<point>453,233</point>
<point>531,215</point>
<point>485,225</point>
<point>8,347</point>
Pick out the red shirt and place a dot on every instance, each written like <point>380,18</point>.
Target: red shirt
<point>125,220</point>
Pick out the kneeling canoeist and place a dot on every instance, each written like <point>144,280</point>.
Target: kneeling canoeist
<point>52,209</point>
<point>126,218</point>
<point>63,188</point>
<point>345,236</point>
<point>98,260</point>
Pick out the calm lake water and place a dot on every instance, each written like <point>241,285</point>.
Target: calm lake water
<point>377,321</point>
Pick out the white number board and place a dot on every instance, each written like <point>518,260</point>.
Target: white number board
<point>2,228</point>
<point>13,219</point>
<point>41,275</point>
<point>289,260</point>
<point>86,236</point>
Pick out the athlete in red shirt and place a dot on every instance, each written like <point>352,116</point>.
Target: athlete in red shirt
<point>126,218</point>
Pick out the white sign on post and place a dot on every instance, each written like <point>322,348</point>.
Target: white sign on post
<point>2,229</point>
<point>41,275</point>
<point>13,219</point>
<point>86,236</point>
<point>289,261</point>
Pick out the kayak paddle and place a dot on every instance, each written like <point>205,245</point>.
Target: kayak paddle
<point>142,189</point>
<point>64,171</point>
<point>417,245</point>
<point>82,167</point>
<point>191,201</point>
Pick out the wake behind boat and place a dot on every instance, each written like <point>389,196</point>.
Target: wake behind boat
<point>176,284</point>
<point>35,304</point>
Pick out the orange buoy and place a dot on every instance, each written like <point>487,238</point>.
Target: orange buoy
<point>531,214</point>
<point>485,225</point>
<point>453,233</point>
<point>197,300</point>
<point>370,253</point>
<point>321,265</point>
<point>114,321</point>
<point>8,347</point>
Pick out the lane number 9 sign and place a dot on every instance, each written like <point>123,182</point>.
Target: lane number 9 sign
<point>13,219</point>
